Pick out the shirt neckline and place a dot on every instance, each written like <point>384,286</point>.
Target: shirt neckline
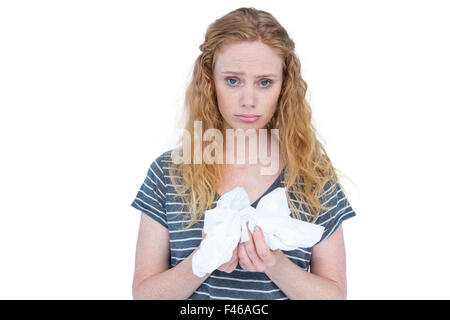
<point>274,185</point>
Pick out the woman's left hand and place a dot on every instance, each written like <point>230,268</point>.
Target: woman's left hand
<point>254,254</point>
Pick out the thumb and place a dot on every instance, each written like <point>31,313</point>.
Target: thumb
<point>203,234</point>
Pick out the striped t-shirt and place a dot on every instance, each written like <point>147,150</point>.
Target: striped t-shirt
<point>156,199</point>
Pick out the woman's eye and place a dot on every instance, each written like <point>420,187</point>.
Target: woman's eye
<point>232,79</point>
<point>266,81</point>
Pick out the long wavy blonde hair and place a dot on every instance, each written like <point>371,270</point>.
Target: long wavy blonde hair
<point>308,171</point>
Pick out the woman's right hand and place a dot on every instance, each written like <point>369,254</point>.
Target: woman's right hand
<point>229,266</point>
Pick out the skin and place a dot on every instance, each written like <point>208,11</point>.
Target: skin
<point>247,93</point>
<point>255,91</point>
<point>252,255</point>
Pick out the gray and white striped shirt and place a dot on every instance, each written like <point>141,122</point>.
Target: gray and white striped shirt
<point>156,199</point>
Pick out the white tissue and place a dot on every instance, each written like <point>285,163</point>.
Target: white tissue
<point>225,226</point>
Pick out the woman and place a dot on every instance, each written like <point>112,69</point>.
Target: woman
<point>247,77</point>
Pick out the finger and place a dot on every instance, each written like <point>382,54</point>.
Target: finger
<point>234,257</point>
<point>242,257</point>
<point>250,248</point>
<point>262,249</point>
<point>232,267</point>
<point>233,261</point>
<point>235,254</point>
<point>203,234</point>
<point>244,260</point>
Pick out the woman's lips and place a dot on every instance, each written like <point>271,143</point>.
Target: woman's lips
<point>247,118</point>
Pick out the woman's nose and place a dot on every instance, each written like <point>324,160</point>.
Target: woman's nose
<point>248,98</point>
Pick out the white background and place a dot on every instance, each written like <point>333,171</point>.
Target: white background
<point>90,92</point>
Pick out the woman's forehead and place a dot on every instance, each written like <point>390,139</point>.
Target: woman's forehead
<point>248,60</point>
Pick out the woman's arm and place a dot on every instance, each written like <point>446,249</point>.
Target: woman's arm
<point>327,279</point>
<point>152,277</point>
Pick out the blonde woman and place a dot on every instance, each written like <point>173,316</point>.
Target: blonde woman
<point>246,77</point>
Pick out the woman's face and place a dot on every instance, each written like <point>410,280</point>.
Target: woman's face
<point>248,79</point>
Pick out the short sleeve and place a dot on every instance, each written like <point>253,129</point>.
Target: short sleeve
<point>340,210</point>
<point>151,196</point>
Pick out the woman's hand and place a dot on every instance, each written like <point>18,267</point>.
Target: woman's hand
<point>229,266</point>
<point>254,254</point>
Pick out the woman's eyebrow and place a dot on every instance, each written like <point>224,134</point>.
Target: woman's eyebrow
<point>243,73</point>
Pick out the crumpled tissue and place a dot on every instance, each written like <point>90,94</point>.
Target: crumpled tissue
<point>225,226</point>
